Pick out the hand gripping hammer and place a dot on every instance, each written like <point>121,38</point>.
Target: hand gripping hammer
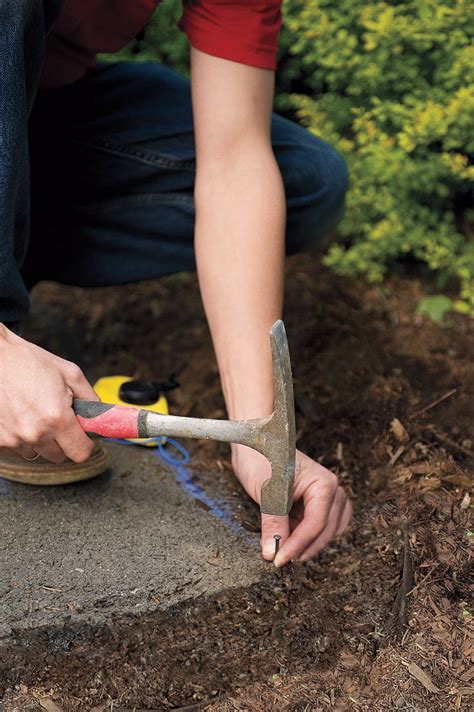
<point>273,436</point>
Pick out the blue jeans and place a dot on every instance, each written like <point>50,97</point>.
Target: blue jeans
<point>97,178</point>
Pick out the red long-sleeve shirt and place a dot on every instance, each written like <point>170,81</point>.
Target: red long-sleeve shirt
<point>244,31</point>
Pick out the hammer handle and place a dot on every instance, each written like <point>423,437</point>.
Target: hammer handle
<point>122,421</point>
<point>107,420</point>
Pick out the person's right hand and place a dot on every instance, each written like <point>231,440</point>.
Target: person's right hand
<point>36,394</point>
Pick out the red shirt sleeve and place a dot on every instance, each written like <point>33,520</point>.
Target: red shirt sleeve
<point>244,31</point>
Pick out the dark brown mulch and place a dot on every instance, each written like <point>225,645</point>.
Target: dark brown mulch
<point>385,398</point>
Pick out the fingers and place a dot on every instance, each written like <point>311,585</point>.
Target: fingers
<point>72,440</point>
<point>64,440</point>
<point>35,409</point>
<point>78,383</point>
<point>345,519</point>
<point>67,442</point>
<point>47,449</point>
<point>55,434</point>
<point>271,526</point>
<point>8,452</point>
<point>340,510</point>
<point>50,451</point>
<point>25,451</point>
<point>318,500</point>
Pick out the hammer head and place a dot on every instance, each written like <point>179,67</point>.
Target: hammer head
<point>280,432</point>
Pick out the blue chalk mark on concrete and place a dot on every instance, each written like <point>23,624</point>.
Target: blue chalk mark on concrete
<point>4,487</point>
<point>217,508</point>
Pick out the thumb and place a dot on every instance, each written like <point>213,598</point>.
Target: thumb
<point>273,525</point>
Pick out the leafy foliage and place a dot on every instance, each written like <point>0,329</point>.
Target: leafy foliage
<point>391,85</point>
<point>435,307</point>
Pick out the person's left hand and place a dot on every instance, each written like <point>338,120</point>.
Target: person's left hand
<point>320,512</point>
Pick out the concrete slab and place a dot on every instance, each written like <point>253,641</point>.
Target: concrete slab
<point>141,538</point>
<point>112,594</point>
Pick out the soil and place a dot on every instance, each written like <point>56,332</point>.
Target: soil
<point>382,619</point>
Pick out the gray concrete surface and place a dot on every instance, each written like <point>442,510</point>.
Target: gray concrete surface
<point>132,541</point>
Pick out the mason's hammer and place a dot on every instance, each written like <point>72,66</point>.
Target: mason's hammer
<point>273,436</point>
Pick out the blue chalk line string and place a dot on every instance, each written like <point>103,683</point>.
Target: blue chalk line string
<point>174,462</point>
<point>169,459</point>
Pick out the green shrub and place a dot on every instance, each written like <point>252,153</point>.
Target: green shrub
<point>391,85</point>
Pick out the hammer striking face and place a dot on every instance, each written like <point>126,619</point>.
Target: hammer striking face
<point>273,436</point>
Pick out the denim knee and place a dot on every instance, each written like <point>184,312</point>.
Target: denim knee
<point>22,39</point>
<point>316,208</point>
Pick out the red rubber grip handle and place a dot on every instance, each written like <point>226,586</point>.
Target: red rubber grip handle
<point>107,420</point>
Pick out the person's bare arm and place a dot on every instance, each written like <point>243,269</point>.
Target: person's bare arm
<point>239,239</point>
<point>36,393</point>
